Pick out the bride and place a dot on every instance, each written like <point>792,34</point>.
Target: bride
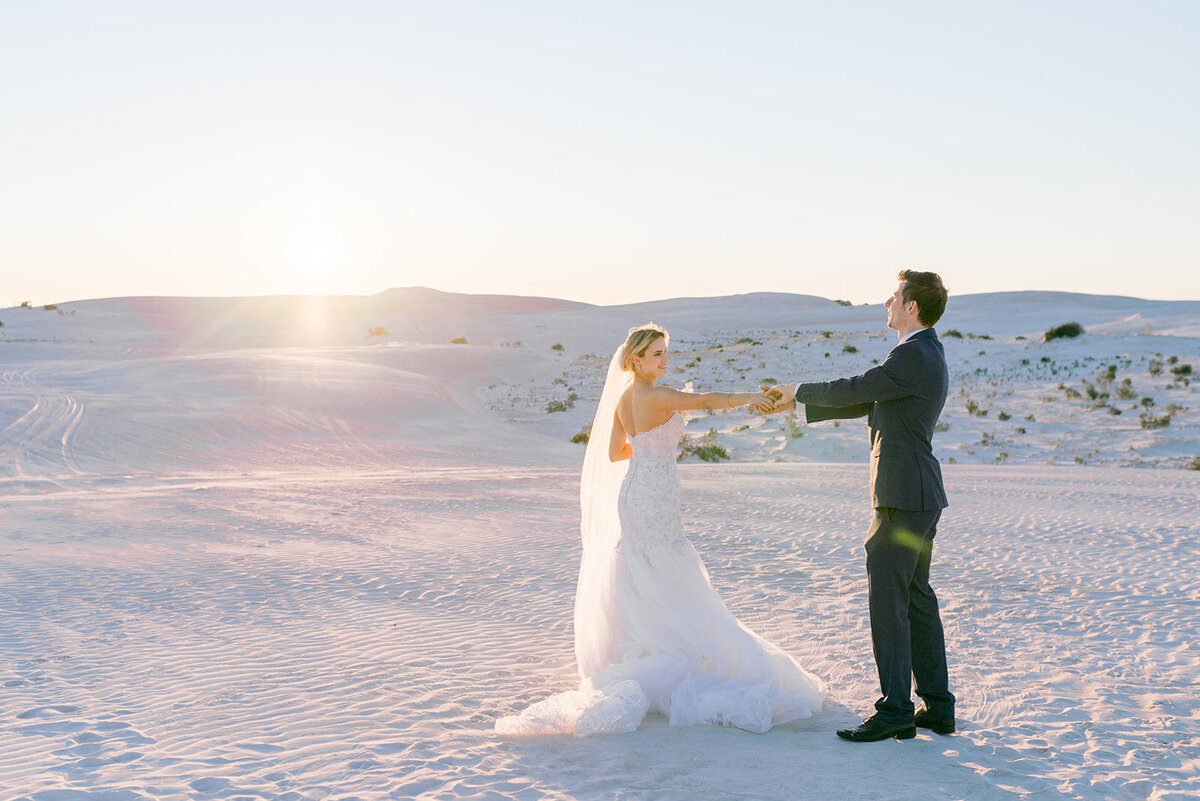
<point>651,633</point>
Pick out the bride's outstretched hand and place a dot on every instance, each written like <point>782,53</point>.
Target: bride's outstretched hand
<point>777,398</point>
<point>764,404</point>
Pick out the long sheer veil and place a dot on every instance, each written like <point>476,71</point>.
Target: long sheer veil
<point>596,632</point>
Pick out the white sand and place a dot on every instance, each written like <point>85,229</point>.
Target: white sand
<point>272,557</point>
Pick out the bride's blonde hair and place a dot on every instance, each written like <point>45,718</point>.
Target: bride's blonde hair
<point>640,338</point>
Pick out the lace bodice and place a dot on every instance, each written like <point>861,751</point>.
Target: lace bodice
<point>649,502</point>
<point>658,444</point>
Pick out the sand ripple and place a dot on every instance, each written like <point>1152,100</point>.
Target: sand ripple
<point>356,635</point>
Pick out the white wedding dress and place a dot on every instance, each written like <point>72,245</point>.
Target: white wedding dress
<point>651,633</point>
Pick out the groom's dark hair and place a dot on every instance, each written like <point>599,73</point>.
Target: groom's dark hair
<point>927,290</point>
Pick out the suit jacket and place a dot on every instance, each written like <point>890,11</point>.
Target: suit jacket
<point>902,398</point>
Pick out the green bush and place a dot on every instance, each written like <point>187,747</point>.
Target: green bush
<point>849,349</point>
<point>1064,331</point>
<point>706,447</point>
<point>953,332</point>
<point>1183,369</point>
<point>843,303</point>
<point>581,437</point>
<point>791,422</point>
<point>556,346</point>
<point>1149,421</point>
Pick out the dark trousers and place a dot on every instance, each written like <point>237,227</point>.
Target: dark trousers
<point>906,629</point>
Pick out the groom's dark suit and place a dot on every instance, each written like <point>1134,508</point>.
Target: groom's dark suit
<point>902,398</point>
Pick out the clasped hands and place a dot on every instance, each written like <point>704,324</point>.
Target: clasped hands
<point>775,399</point>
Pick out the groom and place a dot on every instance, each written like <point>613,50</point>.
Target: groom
<point>901,398</point>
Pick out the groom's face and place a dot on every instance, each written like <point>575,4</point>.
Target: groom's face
<point>900,314</point>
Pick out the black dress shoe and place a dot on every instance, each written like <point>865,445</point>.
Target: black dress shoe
<point>873,729</point>
<point>927,720</point>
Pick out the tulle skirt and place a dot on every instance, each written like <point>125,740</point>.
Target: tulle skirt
<point>663,641</point>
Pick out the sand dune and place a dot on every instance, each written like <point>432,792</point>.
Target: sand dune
<point>250,551</point>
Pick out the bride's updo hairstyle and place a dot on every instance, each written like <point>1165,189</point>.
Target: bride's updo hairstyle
<point>640,338</point>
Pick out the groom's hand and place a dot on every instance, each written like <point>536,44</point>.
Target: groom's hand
<point>780,397</point>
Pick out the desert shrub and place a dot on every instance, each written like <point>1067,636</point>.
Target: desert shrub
<point>972,407</point>
<point>1021,429</point>
<point>1172,360</point>
<point>49,307</point>
<point>1125,390</point>
<point>1004,416</point>
<point>26,304</point>
<point>458,341</point>
<point>706,447</point>
<point>582,436</point>
<point>849,349</point>
<point>1024,362</point>
<point>1,323</point>
<point>556,346</point>
<point>1147,401</point>
<point>559,381</point>
<point>1193,465</point>
<point>953,332</point>
<point>1108,374</point>
<point>941,426</point>
<point>1071,392</point>
<point>1019,338</point>
<point>747,341</point>
<point>791,422</point>
<point>827,334</point>
<point>556,406</point>
<point>843,303</point>
<point>1156,367</point>
<point>1183,369</point>
<point>770,382</point>
<point>1029,418</point>
<point>1150,421</point>
<point>1064,331</point>
<point>377,331</point>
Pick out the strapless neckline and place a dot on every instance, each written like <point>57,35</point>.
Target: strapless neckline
<point>655,428</point>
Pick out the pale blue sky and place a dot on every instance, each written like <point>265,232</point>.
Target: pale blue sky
<point>606,152</point>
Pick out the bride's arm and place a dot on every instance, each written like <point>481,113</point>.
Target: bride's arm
<point>619,448</point>
<point>672,400</point>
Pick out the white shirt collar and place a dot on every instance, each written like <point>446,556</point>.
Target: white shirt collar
<point>910,336</point>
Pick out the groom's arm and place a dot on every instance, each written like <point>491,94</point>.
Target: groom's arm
<point>815,414</point>
<point>854,396</point>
